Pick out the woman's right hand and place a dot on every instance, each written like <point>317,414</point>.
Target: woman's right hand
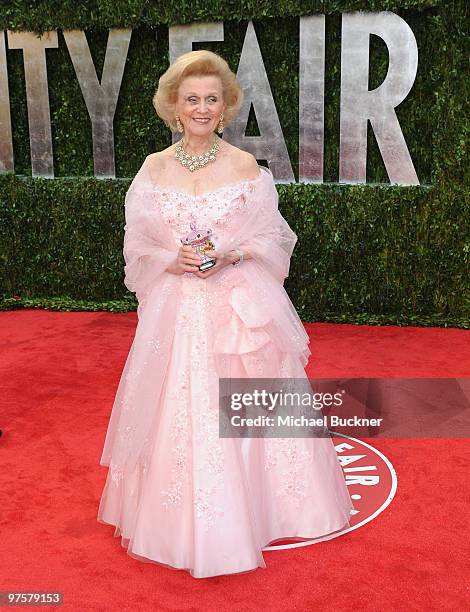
<point>187,260</point>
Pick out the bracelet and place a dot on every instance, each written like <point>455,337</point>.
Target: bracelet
<point>240,257</point>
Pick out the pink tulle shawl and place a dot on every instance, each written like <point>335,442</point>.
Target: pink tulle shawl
<point>260,303</point>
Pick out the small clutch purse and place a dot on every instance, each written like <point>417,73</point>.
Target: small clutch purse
<point>201,241</point>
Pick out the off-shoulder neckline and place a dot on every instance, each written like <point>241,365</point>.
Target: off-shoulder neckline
<point>262,171</point>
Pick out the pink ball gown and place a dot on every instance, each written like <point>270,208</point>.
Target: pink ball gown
<point>177,493</point>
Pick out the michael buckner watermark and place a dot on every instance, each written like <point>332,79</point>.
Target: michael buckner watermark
<point>359,407</point>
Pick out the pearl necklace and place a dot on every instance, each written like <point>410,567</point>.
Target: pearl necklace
<point>194,162</point>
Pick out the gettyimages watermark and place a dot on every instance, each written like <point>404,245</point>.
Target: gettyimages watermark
<point>358,407</point>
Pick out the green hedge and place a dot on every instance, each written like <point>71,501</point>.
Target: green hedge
<point>46,15</point>
<point>365,253</point>
<point>362,250</point>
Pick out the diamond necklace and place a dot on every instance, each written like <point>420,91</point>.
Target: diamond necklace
<point>194,162</point>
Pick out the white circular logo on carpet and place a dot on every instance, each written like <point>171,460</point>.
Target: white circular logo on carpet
<point>371,481</point>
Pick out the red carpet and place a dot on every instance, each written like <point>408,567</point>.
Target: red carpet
<point>59,373</point>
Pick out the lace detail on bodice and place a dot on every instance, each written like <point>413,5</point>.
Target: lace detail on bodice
<point>212,208</point>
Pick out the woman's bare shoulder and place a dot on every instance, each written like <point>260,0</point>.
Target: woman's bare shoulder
<point>244,163</point>
<point>158,161</point>
<point>164,153</point>
<point>251,167</point>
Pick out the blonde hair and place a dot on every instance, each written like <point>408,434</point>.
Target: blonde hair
<point>196,63</point>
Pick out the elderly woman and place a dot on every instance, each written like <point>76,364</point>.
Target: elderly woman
<point>206,252</point>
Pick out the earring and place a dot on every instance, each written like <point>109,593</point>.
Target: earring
<point>220,127</point>
<point>179,125</point>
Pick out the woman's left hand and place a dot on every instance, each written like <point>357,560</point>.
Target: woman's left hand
<point>222,260</point>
